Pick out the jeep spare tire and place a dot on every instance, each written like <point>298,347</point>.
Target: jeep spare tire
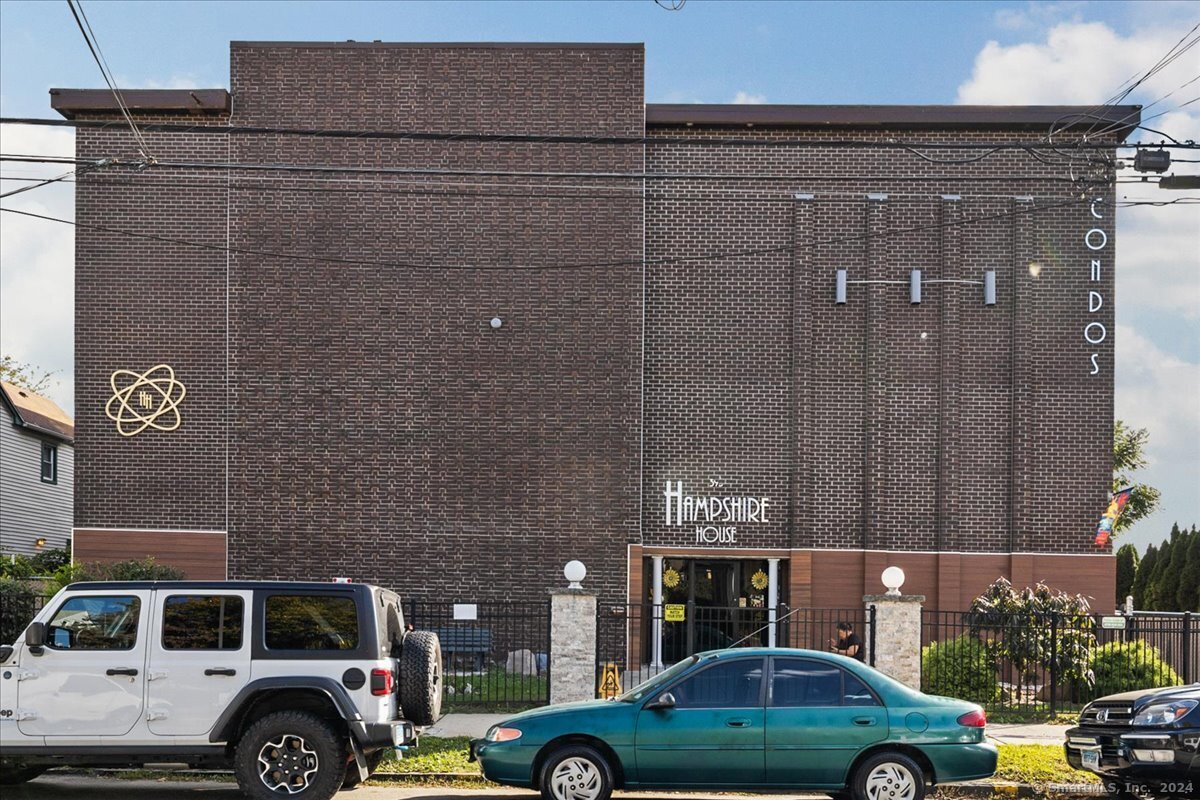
<point>421,678</point>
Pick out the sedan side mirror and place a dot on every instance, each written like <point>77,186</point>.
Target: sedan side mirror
<point>35,634</point>
<point>664,700</point>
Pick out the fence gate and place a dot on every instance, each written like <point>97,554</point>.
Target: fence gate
<point>495,655</point>
<point>641,640</point>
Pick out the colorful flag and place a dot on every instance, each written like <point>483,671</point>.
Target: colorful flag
<point>1115,507</point>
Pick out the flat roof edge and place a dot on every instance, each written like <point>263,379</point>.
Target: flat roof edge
<point>1123,118</point>
<point>70,102</point>
<point>350,43</point>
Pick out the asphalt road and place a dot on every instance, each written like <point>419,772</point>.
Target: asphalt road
<point>77,787</point>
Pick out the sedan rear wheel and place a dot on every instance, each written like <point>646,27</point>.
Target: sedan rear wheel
<point>576,772</point>
<point>889,776</point>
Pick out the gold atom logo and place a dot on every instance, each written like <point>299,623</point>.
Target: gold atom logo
<point>147,400</point>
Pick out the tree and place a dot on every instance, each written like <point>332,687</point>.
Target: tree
<point>1188,598</point>
<point>1155,596</point>
<point>1166,588</point>
<point>25,375</point>
<point>1128,456</point>
<point>1127,564</point>
<point>1142,577</point>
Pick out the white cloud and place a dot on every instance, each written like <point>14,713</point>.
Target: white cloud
<point>186,81</point>
<point>1158,391</point>
<point>37,261</point>
<point>1037,15</point>
<point>747,99</point>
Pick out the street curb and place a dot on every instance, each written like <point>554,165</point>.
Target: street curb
<point>1020,790</point>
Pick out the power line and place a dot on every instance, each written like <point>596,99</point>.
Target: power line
<point>716,256</point>
<point>89,37</point>
<point>774,177</point>
<point>534,138</point>
<point>437,188</point>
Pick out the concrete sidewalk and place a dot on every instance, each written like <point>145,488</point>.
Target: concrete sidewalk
<point>476,725</point>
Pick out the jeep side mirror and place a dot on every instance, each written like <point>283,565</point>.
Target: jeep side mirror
<point>664,700</point>
<point>35,634</point>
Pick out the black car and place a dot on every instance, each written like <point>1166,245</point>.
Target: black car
<point>1144,743</point>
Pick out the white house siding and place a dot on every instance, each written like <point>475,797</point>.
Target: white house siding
<point>30,509</point>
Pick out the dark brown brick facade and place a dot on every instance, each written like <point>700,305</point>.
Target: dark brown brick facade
<point>363,418</point>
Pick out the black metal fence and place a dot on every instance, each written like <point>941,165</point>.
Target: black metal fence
<point>496,656</point>
<point>636,642</point>
<point>1051,662</point>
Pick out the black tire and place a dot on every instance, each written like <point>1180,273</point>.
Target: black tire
<point>373,762</point>
<point>421,678</point>
<point>888,776</point>
<point>576,772</point>
<point>11,776</point>
<point>306,750</point>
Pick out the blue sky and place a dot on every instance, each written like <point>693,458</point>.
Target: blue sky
<point>714,52</point>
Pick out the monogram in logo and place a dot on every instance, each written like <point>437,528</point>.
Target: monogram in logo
<point>1102,716</point>
<point>158,395</point>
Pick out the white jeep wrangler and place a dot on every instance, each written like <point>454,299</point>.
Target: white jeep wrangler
<point>300,687</point>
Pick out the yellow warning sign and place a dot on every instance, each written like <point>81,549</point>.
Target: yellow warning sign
<point>610,681</point>
<point>675,612</point>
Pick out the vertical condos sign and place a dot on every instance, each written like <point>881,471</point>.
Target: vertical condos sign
<point>714,517</point>
<point>1095,332</point>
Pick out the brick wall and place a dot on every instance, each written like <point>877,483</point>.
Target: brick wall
<point>380,427</point>
<point>946,425</point>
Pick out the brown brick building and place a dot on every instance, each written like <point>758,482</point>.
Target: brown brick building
<point>451,364</point>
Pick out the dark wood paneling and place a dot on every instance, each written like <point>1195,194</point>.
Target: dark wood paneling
<point>200,554</point>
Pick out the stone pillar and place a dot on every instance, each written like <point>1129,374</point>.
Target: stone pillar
<point>897,636</point>
<point>572,646</point>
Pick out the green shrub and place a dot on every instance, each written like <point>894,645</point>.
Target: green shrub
<point>1126,666</point>
<point>962,668</point>
<point>18,607</point>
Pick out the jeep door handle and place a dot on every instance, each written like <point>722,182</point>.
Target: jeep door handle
<point>220,671</point>
<point>864,721</point>
<point>130,671</point>
<point>738,722</point>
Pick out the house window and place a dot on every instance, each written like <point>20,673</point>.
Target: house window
<point>49,463</point>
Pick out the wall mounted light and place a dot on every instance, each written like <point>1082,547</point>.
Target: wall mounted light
<point>914,287</point>
<point>989,288</point>
<point>496,322</point>
<point>39,542</point>
<point>841,287</point>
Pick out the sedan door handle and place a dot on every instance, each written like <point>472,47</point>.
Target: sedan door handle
<point>220,671</point>
<point>738,723</point>
<point>130,671</point>
<point>864,721</point>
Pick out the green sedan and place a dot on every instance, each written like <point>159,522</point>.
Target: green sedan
<point>743,720</point>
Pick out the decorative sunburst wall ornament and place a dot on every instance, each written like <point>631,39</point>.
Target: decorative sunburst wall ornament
<point>670,579</point>
<point>759,580</point>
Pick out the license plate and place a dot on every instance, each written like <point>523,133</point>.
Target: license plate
<point>1091,759</point>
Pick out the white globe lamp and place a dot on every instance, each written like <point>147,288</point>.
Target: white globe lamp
<point>893,579</point>
<point>574,572</point>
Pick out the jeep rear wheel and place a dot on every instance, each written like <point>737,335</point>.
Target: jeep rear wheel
<point>290,754</point>
<point>421,678</point>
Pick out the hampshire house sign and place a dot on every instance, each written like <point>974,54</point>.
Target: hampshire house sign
<point>714,517</point>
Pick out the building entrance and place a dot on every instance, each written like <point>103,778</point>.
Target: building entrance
<point>698,604</point>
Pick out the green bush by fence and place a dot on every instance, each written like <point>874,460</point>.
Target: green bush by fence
<point>17,608</point>
<point>1126,666</point>
<point>963,667</point>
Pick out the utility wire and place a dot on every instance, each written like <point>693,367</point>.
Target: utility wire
<point>93,44</point>
<point>544,174</point>
<point>534,138</point>
<point>644,262</point>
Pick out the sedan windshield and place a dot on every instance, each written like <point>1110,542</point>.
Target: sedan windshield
<point>646,687</point>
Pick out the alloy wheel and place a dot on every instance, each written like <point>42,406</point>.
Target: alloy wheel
<point>287,764</point>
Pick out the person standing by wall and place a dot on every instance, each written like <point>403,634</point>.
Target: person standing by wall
<point>848,642</point>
